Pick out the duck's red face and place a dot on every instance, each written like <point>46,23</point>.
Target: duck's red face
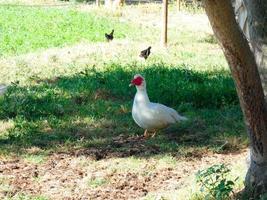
<point>137,81</point>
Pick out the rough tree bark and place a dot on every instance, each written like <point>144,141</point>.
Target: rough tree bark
<point>252,19</point>
<point>257,25</point>
<point>241,16</point>
<point>248,85</point>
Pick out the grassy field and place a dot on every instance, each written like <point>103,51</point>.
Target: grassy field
<point>41,28</point>
<point>66,129</point>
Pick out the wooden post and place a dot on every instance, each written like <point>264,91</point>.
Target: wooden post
<point>164,22</point>
<point>178,3</point>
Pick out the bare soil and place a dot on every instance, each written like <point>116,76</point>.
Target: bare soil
<point>92,173</point>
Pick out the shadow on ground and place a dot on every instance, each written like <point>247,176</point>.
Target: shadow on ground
<point>90,113</point>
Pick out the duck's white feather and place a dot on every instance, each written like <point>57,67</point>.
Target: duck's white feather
<point>152,116</point>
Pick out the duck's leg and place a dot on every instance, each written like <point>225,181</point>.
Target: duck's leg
<point>146,134</point>
<point>153,135</point>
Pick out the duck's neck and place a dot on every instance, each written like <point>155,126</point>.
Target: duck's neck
<point>141,97</point>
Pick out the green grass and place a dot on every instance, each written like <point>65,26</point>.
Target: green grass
<point>35,159</point>
<point>97,182</point>
<point>46,115</point>
<point>41,28</point>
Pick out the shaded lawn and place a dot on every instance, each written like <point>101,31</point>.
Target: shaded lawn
<point>92,111</point>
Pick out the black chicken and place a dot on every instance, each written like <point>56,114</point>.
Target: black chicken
<point>145,53</point>
<point>109,37</point>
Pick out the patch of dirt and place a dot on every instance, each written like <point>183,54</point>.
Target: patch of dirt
<point>67,175</point>
<point>121,146</point>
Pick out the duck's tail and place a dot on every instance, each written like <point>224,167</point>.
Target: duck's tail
<point>182,118</point>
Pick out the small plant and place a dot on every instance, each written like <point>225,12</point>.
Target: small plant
<point>97,181</point>
<point>213,180</point>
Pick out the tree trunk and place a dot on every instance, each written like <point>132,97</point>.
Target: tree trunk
<point>242,16</point>
<point>257,25</point>
<point>251,16</point>
<point>97,2</point>
<point>248,85</point>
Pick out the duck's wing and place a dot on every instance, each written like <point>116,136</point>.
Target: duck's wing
<point>166,113</point>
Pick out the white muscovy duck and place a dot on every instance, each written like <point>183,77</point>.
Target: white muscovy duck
<point>151,116</point>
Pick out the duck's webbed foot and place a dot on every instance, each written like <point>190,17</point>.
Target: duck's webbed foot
<point>147,134</point>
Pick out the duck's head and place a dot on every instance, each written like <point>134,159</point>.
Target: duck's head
<point>139,82</point>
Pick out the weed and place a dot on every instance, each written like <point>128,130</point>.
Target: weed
<point>27,197</point>
<point>214,181</point>
<point>97,182</point>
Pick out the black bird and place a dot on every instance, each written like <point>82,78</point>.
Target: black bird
<point>109,37</point>
<point>145,53</point>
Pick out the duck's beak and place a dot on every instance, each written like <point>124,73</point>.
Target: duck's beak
<point>131,84</point>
